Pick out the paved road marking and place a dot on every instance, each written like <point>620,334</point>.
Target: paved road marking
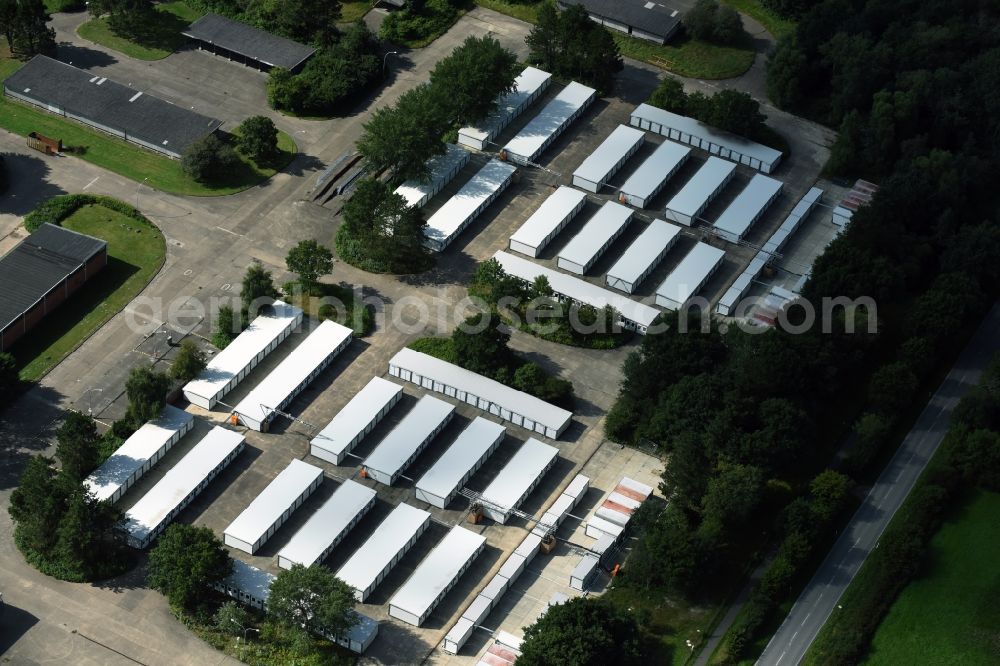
<point>91,182</point>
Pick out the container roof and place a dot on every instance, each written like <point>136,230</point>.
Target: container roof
<point>526,84</point>
<point>444,477</point>
<point>595,234</point>
<point>697,191</point>
<point>740,214</point>
<point>687,278</point>
<point>395,450</point>
<point>390,537</point>
<point>266,509</point>
<point>509,486</point>
<point>644,180</point>
<point>437,571</point>
<point>356,415</point>
<point>249,41</point>
<point>533,136</point>
<point>609,154</point>
<point>644,250</point>
<point>327,523</point>
<point>548,216</point>
<point>450,217</point>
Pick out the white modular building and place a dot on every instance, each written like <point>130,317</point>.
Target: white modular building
<point>697,193</point>
<point>400,448</point>
<point>458,212</point>
<point>439,485</point>
<point>608,158</point>
<point>436,575</point>
<point>632,314</point>
<point>528,86</point>
<point>517,479</point>
<point>232,364</point>
<point>587,246</point>
<point>598,528</point>
<point>548,220</point>
<point>441,169</point>
<point>550,122</point>
<point>584,572</point>
<point>647,181</point>
<point>689,276</point>
<point>372,562</point>
<point>148,517</point>
<point>697,134</point>
<point>487,394</point>
<point>566,502</point>
<point>747,207</point>
<point>643,255</point>
<point>273,506</point>
<point>138,454</point>
<point>328,525</point>
<point>358,418</point>
<point>246,584</point>
<point>359,637</point>
<point>293,374</point>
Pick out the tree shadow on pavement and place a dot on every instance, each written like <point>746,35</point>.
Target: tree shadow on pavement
<point>28,183</point>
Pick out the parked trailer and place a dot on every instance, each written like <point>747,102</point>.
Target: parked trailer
<point>528,86</point>
<point>439,485</point>
<point>372,562</point>
<point>697,193</point>
<point>441,169</point>
<point>517,479</point>
<point>400,448</point>
<point>643,256</point>
<point>590,243</point>
<point>436,575</point>
<point>545,223</point>
<point>273,506</point>
<point>358,418</point>
<point>647,181</point>
<point>550,122</point>
<point>747,207</point>
<point>608,158</point>
<point>689,276</point>
<point>328,525</point>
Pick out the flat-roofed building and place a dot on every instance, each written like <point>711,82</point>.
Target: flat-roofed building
<point>246,44</point>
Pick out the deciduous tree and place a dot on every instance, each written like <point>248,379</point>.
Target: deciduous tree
<point>78,448</point>
<point>310,261</point>
<point>312,599</point>
<point>190,361</point>
<point>582,632</point>
<point>258,138</point>
<point>185,561</point>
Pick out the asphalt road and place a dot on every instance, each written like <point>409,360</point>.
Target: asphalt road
<point>821,596</point>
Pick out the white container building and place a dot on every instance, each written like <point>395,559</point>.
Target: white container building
<point>643,256</point>
<point>292,375</point>
<point>601,230</point>
<point>689,276</point>
<point>246,584</point>
<point>584,572</point>
<point>328,525</point>
<point>747,207</point>
<point>632,314</point>
<point>598,527</point>
<point>137,454</point>
<point>148,517</point>
<point>517,479</point>
<point>232,364</point>
<point>358,418</point>
<point>608,158</point>
<point>359,637</point>
<point>436,575</point>
<point>697,134</point>
<point>372,562</point>
<point>550,122</point>
<point>439,485</point>
<point>697,193</point>
<point>458,635</point>
<point>529,548</point>
<point>458,212</point>
<point>528,86</point>
<point>400,448</point>
<point>545,223</point>
<point>441,169</point>
<point>488,395</point>
<point>273,506</point>
<point>647,181</point>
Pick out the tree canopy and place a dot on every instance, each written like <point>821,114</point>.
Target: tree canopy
<point>185,561</point>
<point>309,260</point>
<point>570,45</point>
<point>582,632</point>
<point>312,599</point>
<point>257,137</point>
<point>381,233</point>
<point>77,446</point>
<point>147,394</point>
<point>24,23</point>
<point>190,361</point>
<point>257,291</point>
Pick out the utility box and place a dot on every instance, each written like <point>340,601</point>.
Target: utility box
<point>44,144</point>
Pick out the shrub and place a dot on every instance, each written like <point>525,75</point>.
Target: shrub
<point>257,138</point>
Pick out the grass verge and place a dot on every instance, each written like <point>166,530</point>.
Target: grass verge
<point>666,620</point>
<point>334,302</point>
<point>523,11</point>
<point>689,57</point>
<point>160,40</point>
<point>353,11</point>
<point>949,613</point>
<point>778,26</point>
<point>136,252</point>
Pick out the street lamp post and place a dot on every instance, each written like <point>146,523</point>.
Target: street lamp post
<point>90,392</point>
<point>385,59</point>
<point>245,630</point>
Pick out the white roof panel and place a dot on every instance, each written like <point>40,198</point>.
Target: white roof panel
<point>180,481</point>
<point>437,571</point>
<point>619,144</point>
<point>452,215</point>
<point>289,375</point>
<point>526,85</point>
<point>596,233</point>
<point>644,180</point>
<point>699,129</point>
<point>549,215</point>
<point>687,278</point>
<point>636,486</point>
<point>238,354</point>
<point>452,375</point>
<point>577,289</point>
<point>390,537</point>
<point>114,472</point>
<point>394,451</point>
<point>255,582</point>
<point>577,486</point>
<point>440,170</point>
<point>509,486</point>
<point>468,449</point>
<point>532,137</point>
<point>696,191</point>
<point>327,523</point>
<point>740,214</point>
<point>267,508</point>
<point>356,415</point>
<point>644,250</point>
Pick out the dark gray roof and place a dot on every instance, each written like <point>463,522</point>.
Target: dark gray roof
<point>105,102</point>
<point>249,41</point>
<point>37,264</point>
<point>647,15</point>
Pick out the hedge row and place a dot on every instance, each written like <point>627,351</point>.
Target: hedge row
<point>57,209</point>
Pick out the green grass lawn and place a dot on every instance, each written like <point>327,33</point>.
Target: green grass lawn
<point>688,57</point>
<point>334,302</point>
<point>774,24</point>
<point>135,254</point>
<point>520,10</point>
<point>352,11</point>
<point>160,40</point>
<point>949,613</point>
